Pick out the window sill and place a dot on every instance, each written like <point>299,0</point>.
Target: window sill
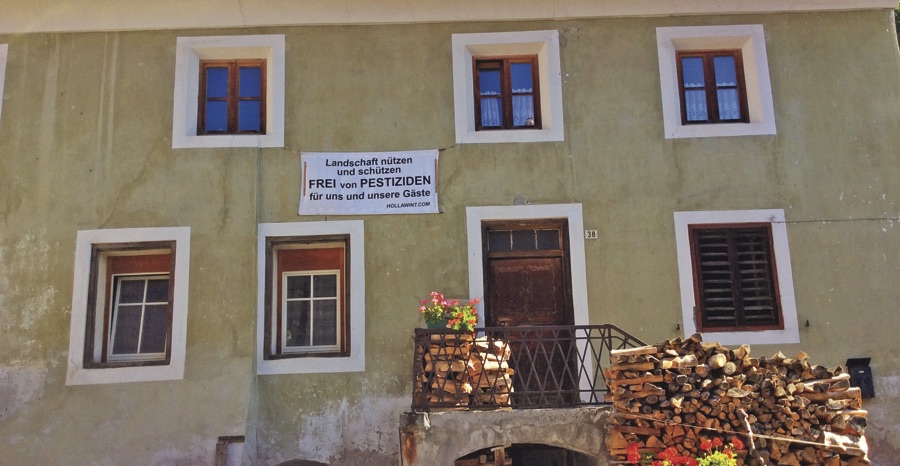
<point>235,140</point>
<point>720,130</point>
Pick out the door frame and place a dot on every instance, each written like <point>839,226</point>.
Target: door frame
<point>571,212</point>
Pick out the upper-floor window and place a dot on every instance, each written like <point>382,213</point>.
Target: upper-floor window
<point>504,81</point>
<point>711,86</point>
<point>714,81</point>
<point>232,97</point>
<point>508,93</point>
<point>229,91</point>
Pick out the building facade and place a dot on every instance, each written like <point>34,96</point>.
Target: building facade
<point>162,289</point>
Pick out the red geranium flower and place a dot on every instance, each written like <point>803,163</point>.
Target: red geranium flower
<point>634,454</point>
<point>738,444</point>
<point>717,442</point>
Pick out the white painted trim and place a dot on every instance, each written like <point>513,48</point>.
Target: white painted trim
<point>356,362</point>
<point>77,374</point>
<point>89,15</point>
<point>544,44</point>
<point>791,332</point>
<point>188,53</point>
<point>4,51</point>
<point>751,40</point>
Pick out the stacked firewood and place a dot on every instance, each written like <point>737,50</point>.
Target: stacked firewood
<point>445,381</point>
<point>490,373</point>
<point>459,371</point>
<point>681,393</point>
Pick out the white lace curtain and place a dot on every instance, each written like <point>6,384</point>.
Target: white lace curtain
<point>492,114</point>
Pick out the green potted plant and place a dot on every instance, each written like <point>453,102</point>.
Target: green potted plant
<point>440,312</point>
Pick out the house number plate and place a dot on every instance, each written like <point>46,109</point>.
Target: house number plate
<point>590,234</point>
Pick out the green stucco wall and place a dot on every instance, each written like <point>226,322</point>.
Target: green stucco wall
<point>85,144</point>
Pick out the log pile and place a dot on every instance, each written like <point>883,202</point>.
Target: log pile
<point>445,379</point>
<point>459,371</point>
<point>683,392</point>
<point>490,373</point>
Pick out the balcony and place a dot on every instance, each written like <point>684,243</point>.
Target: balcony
<point>514,367</point>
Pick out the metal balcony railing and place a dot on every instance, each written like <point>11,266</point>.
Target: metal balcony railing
<point>517,367</point>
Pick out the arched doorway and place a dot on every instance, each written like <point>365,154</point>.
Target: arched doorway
<point>526,454</point>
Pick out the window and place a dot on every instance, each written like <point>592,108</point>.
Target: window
<point>311,297</point>
<point>129,305</point>
<point>307,314</point>
<point>711,87</point>
<point>3,52</point>
<point>735,275</point>
<point>232,97</point>
<point>507,95</point>
<point>506,81</point>
<point>136,321</point>
<point>714,81</point>
<point>229,92</point>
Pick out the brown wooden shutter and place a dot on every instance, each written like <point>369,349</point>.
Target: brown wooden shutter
<point>735,277</point>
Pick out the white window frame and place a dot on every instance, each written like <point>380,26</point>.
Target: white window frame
<point>284,300</point>
<point>751,41</point>
<point>77,373</point>
<point>114,314</point>
<point>355,361</point>
<point>781,252</point>
<point>544,44</point>
<point>4,52</point>
<point>188,54</point>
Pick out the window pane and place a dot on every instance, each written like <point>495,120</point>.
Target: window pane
<point>695,105</point>
<point>490,111</point>
<point>216,82</point>
<point>325,286</point>
<point>156,329</point>
<point>521,77</point>
<point>248,115</point>
<point>325,318</point>
<point>692,72</point>
<point>523,110</point>
<point>127,329</point>
<point>158,290</point>
<point>298,286</point>
<point>523,240</point>
<point>729,104</point>
<point>725,71</point>
<point>216,116</point>
<point>548,239</point>
<point>297,324</point>
<point>249,82</point>
<point>131,291</point>
<point>489,89</point>
<point>499,241</point>
<point>489,82</point>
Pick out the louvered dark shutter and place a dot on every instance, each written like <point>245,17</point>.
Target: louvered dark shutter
<point>735,276</point>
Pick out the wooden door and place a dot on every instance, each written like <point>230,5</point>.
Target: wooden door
<point>527,283</point>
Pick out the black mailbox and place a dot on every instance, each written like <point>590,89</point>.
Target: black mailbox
<point>861,376</point>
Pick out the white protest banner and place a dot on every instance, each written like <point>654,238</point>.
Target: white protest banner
<point>362,183</point>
